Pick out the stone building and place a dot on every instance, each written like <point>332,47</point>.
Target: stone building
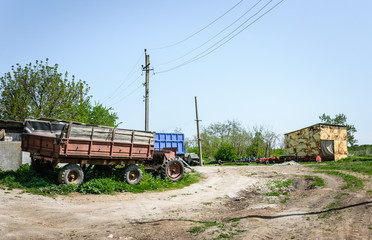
<point>324,140</point>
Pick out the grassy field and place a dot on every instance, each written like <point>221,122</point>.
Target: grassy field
<point>94,183</point>
<point>353,164</point>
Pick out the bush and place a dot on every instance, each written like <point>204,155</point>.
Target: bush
<point>226,152</point>
<point>95,182</point>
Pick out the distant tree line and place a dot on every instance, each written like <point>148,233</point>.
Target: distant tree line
<point>230,140</point>
<point>360,150</point>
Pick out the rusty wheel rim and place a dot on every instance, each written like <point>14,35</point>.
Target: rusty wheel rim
<point>133,176</point>
<point>73,176</point>
<point>174,170</point>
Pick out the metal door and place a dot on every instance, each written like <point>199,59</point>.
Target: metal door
<point>328,149</point>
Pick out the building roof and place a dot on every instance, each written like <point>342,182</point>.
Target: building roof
<point>318,124</point>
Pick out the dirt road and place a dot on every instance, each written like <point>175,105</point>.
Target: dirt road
<point>230,202</point>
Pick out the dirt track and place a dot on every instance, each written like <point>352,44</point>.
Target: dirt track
<point>232,196</point>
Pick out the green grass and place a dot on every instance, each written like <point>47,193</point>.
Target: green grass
<point>234,164</point>
<point>317,181</point>
<point>352,183</point>
<point>277,187</point>
<point>197,229</point>
<point>348,164</point>
<point>94,183</point>
<point>332,205</point>
<point>222,230</point>
<point>284,200</point>
<point>340,195</point>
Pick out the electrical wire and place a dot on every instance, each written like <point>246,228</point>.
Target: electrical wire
<point>205,52</point>
<point>208,25</point>
<point>130,84</point>
<point>196,57</point>
<point>188,53</point>
<point>126,79</point>
<point>135,90</point>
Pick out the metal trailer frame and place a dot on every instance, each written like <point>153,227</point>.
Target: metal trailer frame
<point>88,145</point>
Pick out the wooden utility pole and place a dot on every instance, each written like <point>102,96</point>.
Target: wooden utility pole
<point>197,127</point>
<point>147,89</point>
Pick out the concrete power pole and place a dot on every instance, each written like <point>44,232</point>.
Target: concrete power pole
<point>197,127</point>
<point>147,89</point>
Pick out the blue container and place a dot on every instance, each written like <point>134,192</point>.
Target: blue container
<point>170,140</point>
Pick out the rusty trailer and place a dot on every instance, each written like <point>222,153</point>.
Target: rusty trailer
<point>83,146</point>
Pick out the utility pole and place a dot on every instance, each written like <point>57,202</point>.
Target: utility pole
<point>197,127</point>
<point>147,89</point>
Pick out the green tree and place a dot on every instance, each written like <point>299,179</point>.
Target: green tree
<point>341,119</point>
<point>101,115</point>
<point>225,152</point>
<point>39,90</point>
<point>256,149</point>
<point>230,131</point>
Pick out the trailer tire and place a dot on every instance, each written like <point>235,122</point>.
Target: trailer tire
<point>71,174</point>
<point>132,174</point>
<point>173,169</point>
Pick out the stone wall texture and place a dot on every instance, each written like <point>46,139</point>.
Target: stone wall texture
<point>307,141</point>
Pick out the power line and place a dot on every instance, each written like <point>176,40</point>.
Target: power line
<point>126,79</point>
<point>205,52</point>
<point>208,25</point>
<point>125,96</point>
<point>131,84</point>
<point>188,53</point>
<point>197,56</point>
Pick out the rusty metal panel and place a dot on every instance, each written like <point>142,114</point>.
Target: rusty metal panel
<point>42,145</point>
<point>79,141</point>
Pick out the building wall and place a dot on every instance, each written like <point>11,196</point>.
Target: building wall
<point>10,155</point>
<point>304,142</point>
<point>339,135</point>
<point>307,141</point>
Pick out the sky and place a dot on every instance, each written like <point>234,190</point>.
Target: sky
<point>282,71</point>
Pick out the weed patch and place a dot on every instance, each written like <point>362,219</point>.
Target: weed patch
<point>284,200</point>
<point>197,229</point>
<point>316,181</point>
<point>278,187</point>
<point>94,182</point>
<point>218,230</point>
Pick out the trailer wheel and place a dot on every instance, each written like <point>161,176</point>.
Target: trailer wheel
<point>173,169</point>
<point>132,174</point>
<point>71,174</point>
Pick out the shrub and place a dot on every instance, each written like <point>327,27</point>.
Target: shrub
<point>226,152</point>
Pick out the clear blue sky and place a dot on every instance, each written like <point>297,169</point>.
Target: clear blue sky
<point>301,60</point>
